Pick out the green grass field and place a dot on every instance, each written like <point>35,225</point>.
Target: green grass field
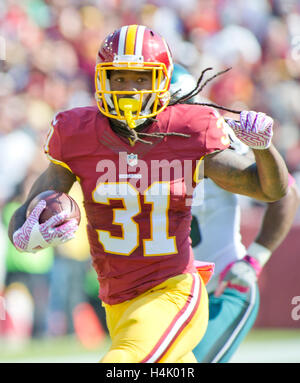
<point>269,346</point>
<point>55,350</point>
<point>260,346</point>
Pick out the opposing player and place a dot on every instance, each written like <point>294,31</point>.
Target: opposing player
<point>215,232</point>
<point>136,173</point>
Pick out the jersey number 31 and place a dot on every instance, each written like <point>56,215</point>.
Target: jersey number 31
<point>157,195</point>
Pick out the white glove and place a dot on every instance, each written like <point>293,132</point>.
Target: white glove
<point>239,275</point>
<point>33,236</point>
<point>254,129</point>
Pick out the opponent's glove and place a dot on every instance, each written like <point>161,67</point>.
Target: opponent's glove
<point>33,236</point>
<point>239,275</point>
<point>254,129</point>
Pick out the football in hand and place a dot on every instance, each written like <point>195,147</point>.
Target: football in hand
<point>56,202</point>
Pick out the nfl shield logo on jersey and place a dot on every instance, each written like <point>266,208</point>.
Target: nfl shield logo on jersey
<point>132,159</point>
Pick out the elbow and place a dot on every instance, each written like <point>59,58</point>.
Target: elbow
<point>285,190</point>
<point>277,195</point>
<point>282,192</point>
<point>290,196</point>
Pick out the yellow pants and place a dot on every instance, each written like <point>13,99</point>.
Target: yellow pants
<point>162,325</point>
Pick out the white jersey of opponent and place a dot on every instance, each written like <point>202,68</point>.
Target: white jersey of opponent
<point>218,216</point>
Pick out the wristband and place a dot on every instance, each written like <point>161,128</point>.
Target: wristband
<point>259,252</point>
<point>254,263</point>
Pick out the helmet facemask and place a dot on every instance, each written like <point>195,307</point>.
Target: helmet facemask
<point>143,106</point>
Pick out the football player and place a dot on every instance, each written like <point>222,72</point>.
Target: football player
<point>215,232</point>
<point>135,157</point>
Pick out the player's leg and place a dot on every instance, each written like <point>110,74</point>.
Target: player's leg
<point>231,316</point>
<point>161,325</point>
<point>187,337</point>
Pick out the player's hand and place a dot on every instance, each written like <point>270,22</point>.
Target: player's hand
<point>33,236</point>
<point>239,275</point>
<point>254,129</point>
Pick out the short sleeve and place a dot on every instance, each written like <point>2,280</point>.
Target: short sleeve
<point>53,145</point>
<point>203,126</point>
<point>216,134</point>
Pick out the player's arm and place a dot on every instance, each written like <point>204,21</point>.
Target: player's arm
<point>21,230</point>
<point>276,223</point>
<point>264,179</point>
<point>278,219</point>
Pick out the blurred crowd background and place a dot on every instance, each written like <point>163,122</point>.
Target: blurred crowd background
<point>47,57</point>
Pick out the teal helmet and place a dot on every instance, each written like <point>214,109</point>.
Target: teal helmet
<point>182,82</point>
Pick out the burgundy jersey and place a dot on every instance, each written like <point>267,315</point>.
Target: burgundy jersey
<point>137,198</point>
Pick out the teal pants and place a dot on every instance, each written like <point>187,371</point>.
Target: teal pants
<point>231,316</point>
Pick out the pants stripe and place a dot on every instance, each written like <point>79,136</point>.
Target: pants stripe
<point>239,327</point>
<point>178,324</point>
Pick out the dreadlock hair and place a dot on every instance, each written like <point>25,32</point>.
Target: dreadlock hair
<point>135,135</point>
<point>198,88</point>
